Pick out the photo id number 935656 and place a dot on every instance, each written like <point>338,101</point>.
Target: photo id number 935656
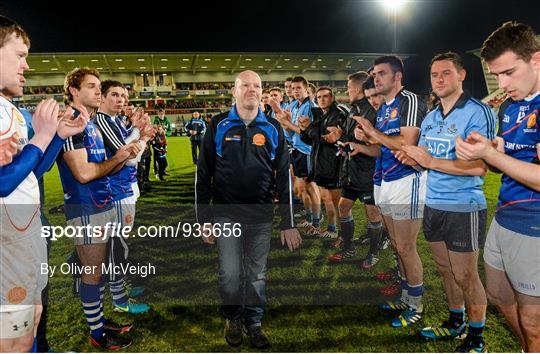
<point>226,229</point>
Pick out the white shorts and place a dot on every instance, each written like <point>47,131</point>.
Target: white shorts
<point>376,194</point>
<point>404,199</point>
<point>92,227</point>
<point>21,254</point>
<point>16,321</point>
<point>125,211</point>
<point>136,191</point>
<point>515,254</point>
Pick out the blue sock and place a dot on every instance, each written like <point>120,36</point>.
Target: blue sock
<point>415,293</point>
<point>331,227</point>
<point>34,346</point>
<point>92,308</point>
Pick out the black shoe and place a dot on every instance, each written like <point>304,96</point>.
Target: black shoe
<point>472,344</point>
<point>110,342</point>
<point>117,328</point>
<point>257,337</point>
<point>165,174</point>
<point>233,332</point>
<point>161,178</point>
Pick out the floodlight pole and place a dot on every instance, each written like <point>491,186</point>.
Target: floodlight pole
<point>395,44</point>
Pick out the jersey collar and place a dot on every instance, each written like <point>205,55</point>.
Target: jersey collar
<point>233,115</point>
<point>460,103</point>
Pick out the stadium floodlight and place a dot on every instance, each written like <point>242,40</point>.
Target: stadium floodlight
<point>393,5</point>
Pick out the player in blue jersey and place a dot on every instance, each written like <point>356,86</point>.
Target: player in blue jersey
<point>84,169</point>
<point>512,250</point>
<point>456,209</point>
<point>403,188</point>
<point>301,154</point>
<point>123,196</point>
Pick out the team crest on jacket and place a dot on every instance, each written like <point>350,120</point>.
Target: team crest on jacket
<point>259,139</point>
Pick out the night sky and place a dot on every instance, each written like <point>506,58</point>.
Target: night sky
<point>331,26</point>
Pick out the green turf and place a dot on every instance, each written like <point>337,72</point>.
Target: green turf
<point>185,324</point>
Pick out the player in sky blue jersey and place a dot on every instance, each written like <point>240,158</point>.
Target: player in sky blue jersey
<point>84,171</point>
<point>301,154</point>
<point>456,210</point>
<point>512,251</point>
<point>403,188</point>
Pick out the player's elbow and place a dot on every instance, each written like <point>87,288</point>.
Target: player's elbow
<point>83,177</point>
<point>536,185</point>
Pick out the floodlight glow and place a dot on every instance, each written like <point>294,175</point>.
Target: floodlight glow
<point>393,5</point>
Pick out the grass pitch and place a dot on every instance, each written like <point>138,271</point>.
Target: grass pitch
<point>183,295</point>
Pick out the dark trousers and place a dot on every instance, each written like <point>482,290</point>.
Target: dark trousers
<point>195,145</point>
<point>242,272</point>
<point>160,164</point>
<point>147,164</point>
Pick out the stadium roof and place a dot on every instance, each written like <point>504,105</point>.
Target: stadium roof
<point>53,63</point>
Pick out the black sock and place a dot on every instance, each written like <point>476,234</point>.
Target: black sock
<point>457,317</point>
<point>347,232</point>
<point>374,234</point>
<point>476,329</point>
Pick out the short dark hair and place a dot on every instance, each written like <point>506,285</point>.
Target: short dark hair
<point>276,89</point>
<point>7,27</point>
<point>108,84</point>
<point>74,79</point>
<point>358,77</point>
<point>369,83</point>
<point>396,64</point>
<point>266,91</point>
<point>511,36</point>
<point>290,78</point>
<point>451,56</point>
<point>325,88</point>
<point>300,79</point>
